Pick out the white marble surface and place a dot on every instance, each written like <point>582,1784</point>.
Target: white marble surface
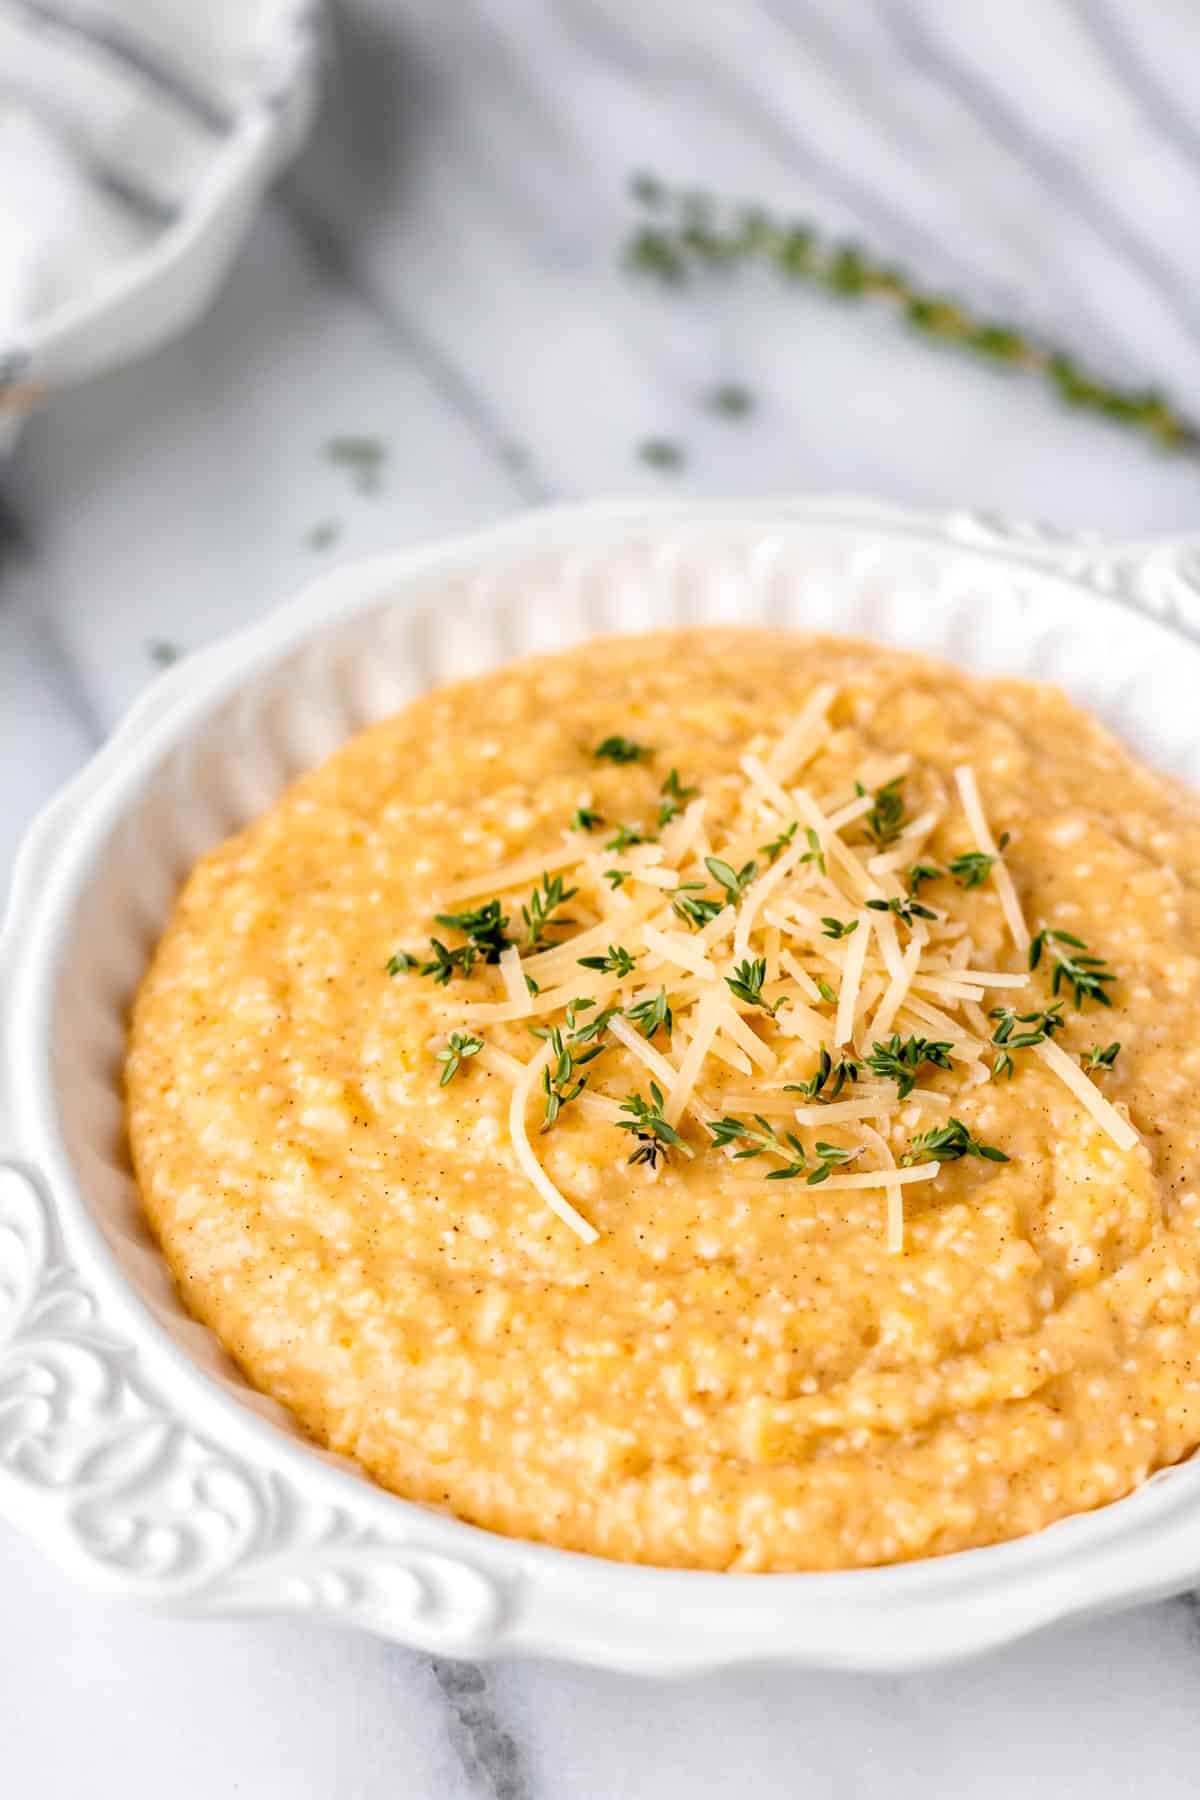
<point>440,271</point>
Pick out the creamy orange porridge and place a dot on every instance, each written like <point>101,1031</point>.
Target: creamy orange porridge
<point>723,1099</point>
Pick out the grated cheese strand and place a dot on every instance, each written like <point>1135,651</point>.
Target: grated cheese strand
<point>528,1162</point>
<point>708,1023</point>
<point>1088,1094</point>
<point>898,987</point>
<point>968,793</point>
<point>852,972</point>
<point>527,868</point>
<point>804,735</point>
<point>757,892</point>
<point>514,980</point>
<point>892,1189</point>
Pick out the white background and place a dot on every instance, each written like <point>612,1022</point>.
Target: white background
<point>441,271</point>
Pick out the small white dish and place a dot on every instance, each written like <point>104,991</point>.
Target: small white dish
<point>137,138</point>
<point>129,1446</point>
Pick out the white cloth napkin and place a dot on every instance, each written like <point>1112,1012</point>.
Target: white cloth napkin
<point>136,139</point>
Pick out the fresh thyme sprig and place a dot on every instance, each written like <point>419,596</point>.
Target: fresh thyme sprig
<point>625,837</point>
<point>674,796</point>
<point>920,873</point>
<point>746,985</point>
<point>460,1045</point>
<point>652,1015</point>
<point>761,1139</point>
<point>777,846</point>
<point>827,1075</point>
<point>618,961</point>
<point>899,1059</point>
<point>972,868</point>
<point>1087,975</point>
<point>654,1136</point>
<point>693,906</point>
<point>560,1082</point>
<point>905,910</point>
<point>1038,1027</point>
<point>621,750</point>
<point>543,903</point>
<point>885,821</point>
<point>838,928</point>
<point>1100,1056</point>
<point>947,1143</point>
<point>734,881</point>
<point>690,232</point>
<point>485,928</point>
<point>814,853</point>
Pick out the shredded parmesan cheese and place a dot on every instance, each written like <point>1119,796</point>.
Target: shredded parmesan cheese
<point>528,868</point>
<point>856,957</point>
<point>804,736</point>
<point>968,791</point>
<point>528,1162</point>
<point>1088,1094</point>
<point>514,980</point>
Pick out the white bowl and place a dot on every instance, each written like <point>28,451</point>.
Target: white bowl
<point>137,139</point>
<point>129,1446</point>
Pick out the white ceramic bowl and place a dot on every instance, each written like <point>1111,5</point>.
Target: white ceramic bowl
<point>137,139</point>
<point>128,1445</point>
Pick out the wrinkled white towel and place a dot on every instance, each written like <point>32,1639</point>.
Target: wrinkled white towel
<point>136,139</point>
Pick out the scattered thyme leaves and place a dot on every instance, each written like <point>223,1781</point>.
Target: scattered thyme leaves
<point>814,853</point>
<point>652,1015</point>
<point>617,961</point>
<point>1100,1056</point>
<point>560,1083</point>
<point>972,868</point>
<point>828,1078</point>
<point>584,819</point>
<point>485,929</point>
<point>621,750</point>
<point>947,1143</point>
<point>775,849</point>
<point>654,1137</point>
<point>746,985</point>
<point>662,453</point>
<point>1038,1027</point>
<point>625,838</point>
<point>362,457</point>
<point>674,797</point>
<point>899,1059</point>
<point>905,910</point>
<point>885,821</point>
<point>734,881</point>
<point>460,1046</point>
<point>838,928</point>
<point>1086,975</point>
<point>919,873</point>
<point>761,1139</point>
<point>694,907</point>
<point>731,400</point>
<point>544,902</point>
<point>616,877</point>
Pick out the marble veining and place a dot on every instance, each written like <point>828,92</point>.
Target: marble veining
<point>441,272</point>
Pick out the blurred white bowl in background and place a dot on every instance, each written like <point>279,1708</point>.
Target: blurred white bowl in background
<point>137,138</point>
